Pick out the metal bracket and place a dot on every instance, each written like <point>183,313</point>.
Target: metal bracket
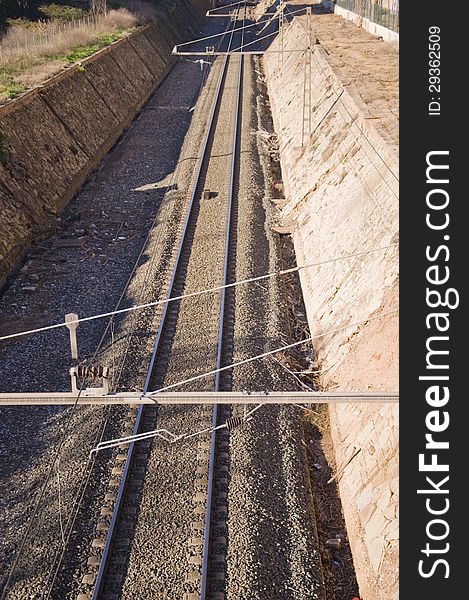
<point>93,391</point>
<point>71,322</point>
<point>164,434</point>
<point>276,14</point>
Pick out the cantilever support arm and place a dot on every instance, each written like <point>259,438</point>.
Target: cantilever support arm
<point>137,398</point>
<point>272,18</point>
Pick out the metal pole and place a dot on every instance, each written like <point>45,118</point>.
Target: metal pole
<point>281,25</point>
<point>93,396</point>
<point>72,327</point>
<point>306,113</point>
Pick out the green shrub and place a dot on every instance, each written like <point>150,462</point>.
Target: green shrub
<point>14,89</point>
<point>81,52</point>
<point>21,22</point>
<point>57,12</point>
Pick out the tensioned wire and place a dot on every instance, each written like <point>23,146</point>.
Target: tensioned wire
<point>176,298</point>
<point>208,37</point>
<point>270,353</point>
<point>197,293</point>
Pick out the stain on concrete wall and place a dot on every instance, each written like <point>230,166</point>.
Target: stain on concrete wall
<point>341,187</point>
<point>55,135</point>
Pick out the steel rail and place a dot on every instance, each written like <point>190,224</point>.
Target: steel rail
<point>122,487</point>
<point>211,468</point>
<point>75,398</point>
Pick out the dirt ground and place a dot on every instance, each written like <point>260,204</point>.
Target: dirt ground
<point>371,66</point>
<point>367,62</point>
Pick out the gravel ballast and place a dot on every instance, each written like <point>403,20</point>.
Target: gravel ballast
<point>139,191</point>
<point>83,268</point>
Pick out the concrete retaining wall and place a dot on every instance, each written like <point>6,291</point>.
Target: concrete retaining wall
<point>341,198</point>
<point>54,136</point>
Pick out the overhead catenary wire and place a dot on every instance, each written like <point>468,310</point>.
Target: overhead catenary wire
<point>193,294</point>
<point>253,42</point>
<point>294,375</point>
<point>74,513</point>
<point>223,6</point>
<point>208,37</point>
<point>166,435</point>
<point>269,353</point>
<point>62,533</point>
<point>171,437</point>
<point>197,293</point>
<point>226,6</point>
<point>48,476</point>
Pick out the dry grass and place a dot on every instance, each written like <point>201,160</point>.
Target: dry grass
<point>36,74</point>
<point>55,38</point>
<point>120,19</point>
<point>23,51</point>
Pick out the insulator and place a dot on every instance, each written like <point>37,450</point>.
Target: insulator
<point>234,422</point>
<point>92,371</point>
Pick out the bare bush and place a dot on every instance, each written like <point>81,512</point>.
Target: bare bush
<point>98,6</point>
<point>119,19</point>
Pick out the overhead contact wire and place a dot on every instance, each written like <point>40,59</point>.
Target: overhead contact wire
<point>271,352</point>
<point>197,293</point>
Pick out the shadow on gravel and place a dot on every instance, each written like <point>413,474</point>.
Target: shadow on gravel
<point>337,563</point>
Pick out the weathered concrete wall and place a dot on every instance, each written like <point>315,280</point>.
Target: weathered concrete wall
<point>341,198</point>
<point>54,136</point>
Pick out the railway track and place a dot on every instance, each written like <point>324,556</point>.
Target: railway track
<point>206,573</point>
<point>155,518</point>
<point>198,332</point>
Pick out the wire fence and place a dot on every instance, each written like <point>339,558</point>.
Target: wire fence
<point>382,12</point>
<point>44,35</point>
